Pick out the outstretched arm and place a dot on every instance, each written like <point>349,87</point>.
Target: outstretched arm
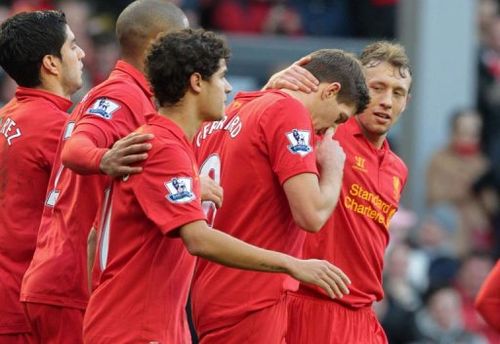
<point>222,248</point>
<point>83,154</point>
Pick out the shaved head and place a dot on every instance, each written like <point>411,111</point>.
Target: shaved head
<point>142,21</point>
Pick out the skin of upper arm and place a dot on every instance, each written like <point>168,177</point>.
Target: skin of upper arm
<point>302,192</point>
<point>192,234</point>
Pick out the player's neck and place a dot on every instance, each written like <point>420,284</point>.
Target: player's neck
<point>304,98</point>
<point>134,61</point>
<point>53,86</point>
<point>184,116</point>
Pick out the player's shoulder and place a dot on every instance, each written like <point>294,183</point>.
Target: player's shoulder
<point>398,162</point>
<point>166,141</point>
<point>277,104</point>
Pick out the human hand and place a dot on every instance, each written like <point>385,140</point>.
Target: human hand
<point>211,191</point>
<point>125,152</point>
<point>294,78</point>
<point>329,153</point>
<point>322,274</point>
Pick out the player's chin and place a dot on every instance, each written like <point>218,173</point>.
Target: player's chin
<point>215,117</point>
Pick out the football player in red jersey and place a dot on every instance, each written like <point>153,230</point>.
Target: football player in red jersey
<point>356,235</point>
<point>488,298</point>
<point>263,155</point>
<point>154,216</point>
<point>47,66</point>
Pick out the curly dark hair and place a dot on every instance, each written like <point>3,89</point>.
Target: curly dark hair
<point>175,56</point>
<point>334,65</point>
<point>25,39</point>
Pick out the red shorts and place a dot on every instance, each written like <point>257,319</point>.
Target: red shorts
<point>54,324</point>
<point>312,320</point>
<point>264,326</point>
<point>18,338</point>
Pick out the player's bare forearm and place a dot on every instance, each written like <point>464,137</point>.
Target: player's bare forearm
<point>221,248</point>
<point>224,249</point>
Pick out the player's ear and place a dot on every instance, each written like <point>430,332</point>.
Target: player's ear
<point>195,82</point>
<point>50,64</point>
<point>331,90</point>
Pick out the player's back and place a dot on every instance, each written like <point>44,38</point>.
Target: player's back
<point>30,125</point>
<point>58,272</point>
<point>246,151</point>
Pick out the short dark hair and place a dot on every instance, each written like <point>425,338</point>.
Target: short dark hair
<point>175,56</point>
<point>25,39</point>
<point>334,65</point>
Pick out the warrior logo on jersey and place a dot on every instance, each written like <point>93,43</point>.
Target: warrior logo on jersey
<point>180,190</point>
<point>103,108</point>
<point>299,142</point>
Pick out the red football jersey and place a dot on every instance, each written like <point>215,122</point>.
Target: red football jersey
<point>253,151</point>
<point>488,298</point>
<point>356,235</point>
<point>58,273</point>
<point>146,268</point>
<point>30,126</point>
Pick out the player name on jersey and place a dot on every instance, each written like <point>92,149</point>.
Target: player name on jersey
<point>9,130</point>
<point>233,126</point>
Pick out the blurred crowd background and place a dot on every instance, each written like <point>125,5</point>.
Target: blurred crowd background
<point>443,246</point>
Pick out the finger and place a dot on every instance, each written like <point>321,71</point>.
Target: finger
<point>217,201</point>
<point>133,138</point>
<point>342,275</point>
<point>135,149</point>
<point>303,60</point>
<point>282,83</point>
<point>214,194</point>
<point>139,138</point>
<point>326,287</point>
<point>329,133</point>
<point>133,158</point>
<point>340,286</point>
<point>306,76</point>
<point>124,170</point>
<point>336,284</point>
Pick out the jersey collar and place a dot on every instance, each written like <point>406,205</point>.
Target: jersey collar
<point>26,93</point>
<point>354,128</point>
<point>139,78</point>
<point>170,125</point>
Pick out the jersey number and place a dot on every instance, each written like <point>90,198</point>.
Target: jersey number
<point>211,167</point>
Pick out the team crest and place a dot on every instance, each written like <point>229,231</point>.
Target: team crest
<point>299,142</point>
<point>180,190</point>
<point>103,108</point>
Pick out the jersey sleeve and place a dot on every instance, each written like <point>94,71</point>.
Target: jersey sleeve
<point>288,134</point>
<point>168,189</point>
<point>81,154</point>
<point>106,120</point>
